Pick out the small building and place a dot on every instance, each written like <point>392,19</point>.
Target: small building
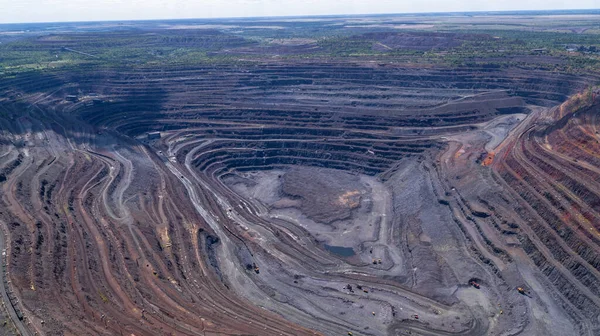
<point>153,135</point>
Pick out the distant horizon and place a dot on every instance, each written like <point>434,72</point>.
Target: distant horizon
<point>578,11</point>
<point>74,11</point>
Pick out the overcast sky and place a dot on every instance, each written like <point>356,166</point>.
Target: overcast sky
<point>90,10</point>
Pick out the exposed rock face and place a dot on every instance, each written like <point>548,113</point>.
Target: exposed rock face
<point>324,197</point>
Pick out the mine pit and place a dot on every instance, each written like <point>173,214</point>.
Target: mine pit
<point>332,177</point>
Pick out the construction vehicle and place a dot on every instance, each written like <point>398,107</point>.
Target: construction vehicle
<point>521,291</point>
<point>474,284</point>
<point>350,333</point>
<point>256,269</point>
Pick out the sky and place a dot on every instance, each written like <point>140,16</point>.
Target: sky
<point>18,11</point>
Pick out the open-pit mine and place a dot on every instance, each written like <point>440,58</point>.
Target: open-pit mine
<point>386,175</point>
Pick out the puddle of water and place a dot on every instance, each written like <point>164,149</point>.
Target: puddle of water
<point>340,250</point>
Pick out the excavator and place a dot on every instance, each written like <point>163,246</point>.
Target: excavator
<point>474,284</point>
